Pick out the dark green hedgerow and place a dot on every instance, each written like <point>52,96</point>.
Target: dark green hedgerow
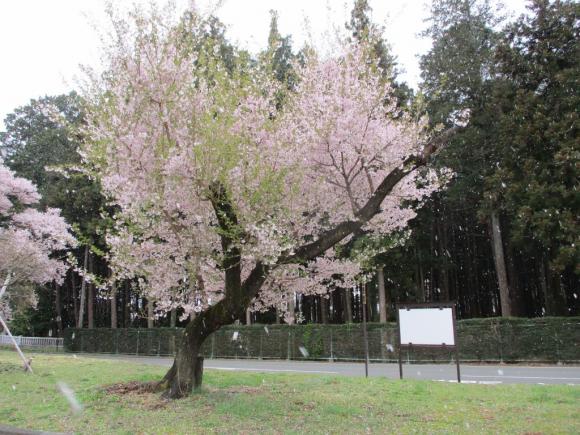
<point>548,339</point>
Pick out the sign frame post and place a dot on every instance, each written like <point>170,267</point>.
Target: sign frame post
<point>445,346</point>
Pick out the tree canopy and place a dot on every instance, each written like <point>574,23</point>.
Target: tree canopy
<point>29,238</point>
<point>210,176</point>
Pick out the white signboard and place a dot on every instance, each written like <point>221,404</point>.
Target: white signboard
<point>426,326</point>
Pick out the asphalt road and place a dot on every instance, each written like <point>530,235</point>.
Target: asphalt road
<point>470,373</point>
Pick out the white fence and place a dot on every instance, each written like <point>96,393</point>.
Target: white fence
<point>49,343</point>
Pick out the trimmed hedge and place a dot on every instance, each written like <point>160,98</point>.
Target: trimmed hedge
<point>548,339</point>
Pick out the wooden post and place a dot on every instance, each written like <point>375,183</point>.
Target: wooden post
<point>456,344</point>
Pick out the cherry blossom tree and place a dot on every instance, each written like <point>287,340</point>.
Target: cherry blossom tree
<point>226,202</point>
<point>28,238</point>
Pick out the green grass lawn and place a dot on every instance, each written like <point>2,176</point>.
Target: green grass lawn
<point>273,403</point>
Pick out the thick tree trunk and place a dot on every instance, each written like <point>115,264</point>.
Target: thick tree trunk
<point>80,323</point>
<point>187,370</point>
<point>500,267</point>
<point>248,317</point>
<point>382,295</point>
<point>114,306</point>
<point>186,373</point>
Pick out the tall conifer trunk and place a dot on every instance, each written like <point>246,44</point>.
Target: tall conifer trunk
<point>74,296</point>
<point>114,306</point>
<point>91,297</point>
<point>292,308</point>
<point>347,305</point>
<point>150,314</point>
<point>382,295</point>
<point>58,303</point>
<point>500,267</point>
<point>83,291</point>
<point>127,305</point>
<point>323,310</point>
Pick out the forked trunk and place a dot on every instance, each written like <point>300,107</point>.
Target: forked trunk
<point>186,374</point>
<point>187,371</point>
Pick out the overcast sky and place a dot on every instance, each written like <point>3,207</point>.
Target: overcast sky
<point>42,42</point>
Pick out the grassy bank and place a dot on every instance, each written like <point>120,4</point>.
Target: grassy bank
<point>272,403</point>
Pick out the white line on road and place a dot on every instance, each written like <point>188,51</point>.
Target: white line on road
<point>244,369</point>
<point>521,377</point>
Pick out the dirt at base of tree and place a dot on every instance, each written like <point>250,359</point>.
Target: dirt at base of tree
<point>133,387</point>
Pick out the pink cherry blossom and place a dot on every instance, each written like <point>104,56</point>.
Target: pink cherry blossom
<point>29,237</point>
<point>163,137</point>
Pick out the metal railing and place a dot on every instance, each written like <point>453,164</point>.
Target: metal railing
<point>45,343</point>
